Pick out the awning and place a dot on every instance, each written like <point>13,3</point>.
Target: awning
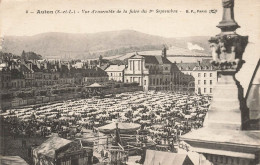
<point>13,160</point>
<point>154,157</point>
<point>124,127</point>
<point>95,85</point>
<point>49,147</point>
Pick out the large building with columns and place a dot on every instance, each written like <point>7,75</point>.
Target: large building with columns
<point>151,72</point>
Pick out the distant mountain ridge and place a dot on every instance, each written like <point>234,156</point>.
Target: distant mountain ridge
<point>91,45</point>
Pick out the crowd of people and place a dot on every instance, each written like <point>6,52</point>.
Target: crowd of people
<point>163,116</point>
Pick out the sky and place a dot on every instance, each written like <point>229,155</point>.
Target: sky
<point>15,21</point>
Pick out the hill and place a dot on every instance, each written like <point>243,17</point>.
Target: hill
<point>84,46</point>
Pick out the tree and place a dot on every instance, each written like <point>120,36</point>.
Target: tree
<point>100,58</point>
<point>30,56</point>
<point>23,56</point>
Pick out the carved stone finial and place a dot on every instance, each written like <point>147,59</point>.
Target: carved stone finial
<point>228,47</point>
<point>228,3</point>
<point>228,22</point>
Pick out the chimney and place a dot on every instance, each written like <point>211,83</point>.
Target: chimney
<point>69,66</point>
<point>12,65</point>
<point>45,65</point>
<point>59,64</point>
<point>164,51</point>
<point>38,64</point>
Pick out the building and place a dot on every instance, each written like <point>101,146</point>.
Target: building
<point>38,75</point>
<point>59,151</point>
<point>183,78</point>
<point>151,72</point>
<point>5,77</point>
<point>116,72</point>
<point>92,75</point>
<point>28,74</point>
<point>17,79</point>
<point>205,77</point>
<point>50,73</point>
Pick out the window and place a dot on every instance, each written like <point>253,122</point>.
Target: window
<point>166,68</point>
<point>198,74</point>
<point>111,74</point>
<point>205,90</point>
<point>199,91</point>
<point>205,74</point>
<point>210,90</point>
<point>205,82</point>
<point>210,82</point>
<point>120,74</point>
<point>210,75</point>
<point>198,81</point>
<point>144,82</point>
<point>131,79</point>
<point>130,63</point>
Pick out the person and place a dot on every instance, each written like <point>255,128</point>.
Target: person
<point>102,153</point>
<point>118,138</point>
<point>141,161</point>
<point>23,143</point>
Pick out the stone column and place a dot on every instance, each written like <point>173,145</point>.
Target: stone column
<point>227,50</point>
<point>222,140</point>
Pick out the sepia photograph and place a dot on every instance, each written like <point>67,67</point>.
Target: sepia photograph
<point>112,82</point>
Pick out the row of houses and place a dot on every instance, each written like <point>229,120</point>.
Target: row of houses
<point>38,73</point>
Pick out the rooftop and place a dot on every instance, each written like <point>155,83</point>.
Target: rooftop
<point>186,66</point>
<point>52,144</point>
<point>175,51</point>
<point>115,68</point>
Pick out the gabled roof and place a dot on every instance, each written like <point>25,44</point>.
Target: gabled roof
<point>124,127</point>
<point>115,68</point>
<point>52,144</point>
<point>23,68</point>
<point>35,68</point>
<point>186,66</point>
<point>95,72</point>
<point>13,160</point>
<point>150,59</point>
<point>95,85</point>
<point>204,65</point>
<point>104,66</point>
<point>136,56</point>
<point>166,158</point>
